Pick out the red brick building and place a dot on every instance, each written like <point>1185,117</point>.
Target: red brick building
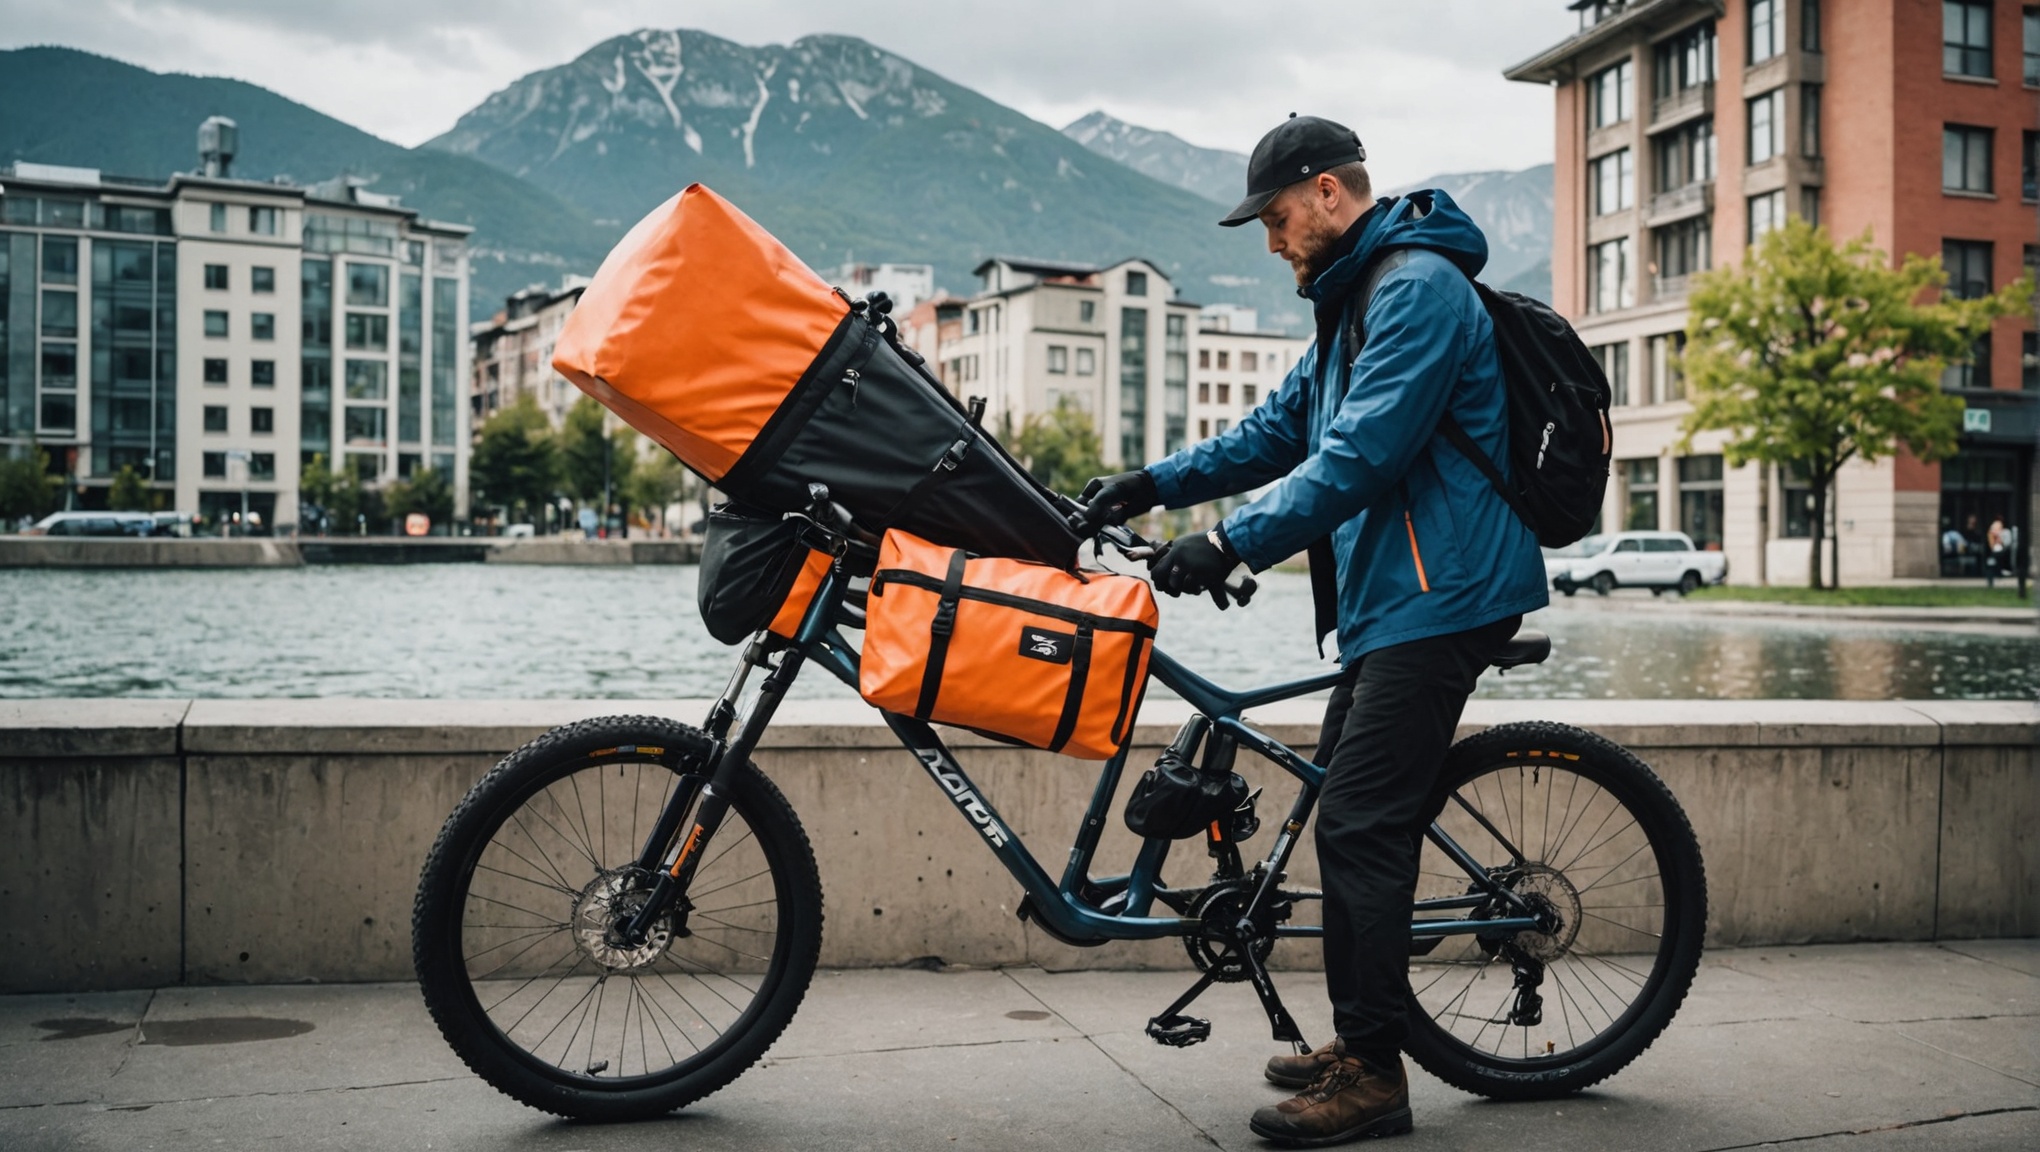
<point>1686,128</point>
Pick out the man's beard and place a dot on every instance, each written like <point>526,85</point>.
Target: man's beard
<point>1314,251</point>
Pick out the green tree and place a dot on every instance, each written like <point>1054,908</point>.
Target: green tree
<point>27,490</point>
<point>336,494</point>
<point>593,460</point>
<point>658,481</point>
<point>515,464</point>
<point>1061,448</point>
<point>130,493</point>
<point>1810,356</point>
<point>426,491</point>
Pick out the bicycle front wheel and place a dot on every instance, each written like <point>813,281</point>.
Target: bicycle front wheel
<point>510,930</point>
<point>1588,835</point>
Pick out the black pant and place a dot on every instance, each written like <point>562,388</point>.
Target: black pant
<point>1386,730</point>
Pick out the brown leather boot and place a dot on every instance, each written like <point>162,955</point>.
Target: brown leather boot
<point>1349,1101</point>
<point>1302,1071</point>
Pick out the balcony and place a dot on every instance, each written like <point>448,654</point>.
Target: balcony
<point>1696,199</point>
<point>1681,106</point>
<point>1669,287</point>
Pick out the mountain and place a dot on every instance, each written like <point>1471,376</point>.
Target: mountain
<point>845,150</point>
<point>1213,173</point>
<point>1514,210</point>
<point>61,106</point>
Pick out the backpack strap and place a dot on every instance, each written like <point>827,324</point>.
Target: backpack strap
<point>1458,438</point>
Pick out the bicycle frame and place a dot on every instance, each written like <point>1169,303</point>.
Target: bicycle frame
<point>1061,906</point>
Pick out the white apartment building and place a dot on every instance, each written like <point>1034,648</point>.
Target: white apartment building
<point>191,329</point>
<point>513,353</point>
<point>1112,340</point>
<point>906,284</point>
<point>1237,367</point>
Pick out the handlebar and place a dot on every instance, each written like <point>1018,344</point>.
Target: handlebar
<point>1134,546</point>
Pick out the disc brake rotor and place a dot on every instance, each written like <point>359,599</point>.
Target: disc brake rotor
<point>1553,896</point>
<point>602,908</point>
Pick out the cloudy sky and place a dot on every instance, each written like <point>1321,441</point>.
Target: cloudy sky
<point>1419,79</point>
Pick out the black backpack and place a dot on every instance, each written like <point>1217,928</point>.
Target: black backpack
<point>1559,437</point>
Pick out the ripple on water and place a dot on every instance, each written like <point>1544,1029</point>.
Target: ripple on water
<point>500,631</point>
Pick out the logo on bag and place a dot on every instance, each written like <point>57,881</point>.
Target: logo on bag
<point>1050,647</point>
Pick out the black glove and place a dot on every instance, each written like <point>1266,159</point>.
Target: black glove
<point>1115,500</point>
<point>1194,564</point>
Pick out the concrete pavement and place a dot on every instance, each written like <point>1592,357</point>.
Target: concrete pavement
<point>1853,1048</point>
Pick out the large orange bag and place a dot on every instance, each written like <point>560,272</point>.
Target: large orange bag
<point>1017,650</point>
<point>706,334</point>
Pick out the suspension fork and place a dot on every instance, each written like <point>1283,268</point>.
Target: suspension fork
<point>712,803</point>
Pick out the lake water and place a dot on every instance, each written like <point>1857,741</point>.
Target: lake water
<point>500,631</point>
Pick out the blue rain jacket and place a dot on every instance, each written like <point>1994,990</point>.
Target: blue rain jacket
<point>1423,543</point>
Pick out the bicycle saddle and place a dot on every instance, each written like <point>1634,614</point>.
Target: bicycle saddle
<point>1523,648</point>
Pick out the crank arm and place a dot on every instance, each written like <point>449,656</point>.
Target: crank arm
<point>1279,1020</point>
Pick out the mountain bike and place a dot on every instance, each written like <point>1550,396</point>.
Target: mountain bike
<point>623,915</point>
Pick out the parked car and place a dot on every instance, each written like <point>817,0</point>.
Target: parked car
<point>1658,561</point>
<point>94,524</point>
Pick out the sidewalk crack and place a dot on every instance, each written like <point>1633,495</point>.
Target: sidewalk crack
<point>1981,959</point>
<point>137,1105</point>
<point>1900,1126</point>
<point>1131,1074</point>
<point>134,1039</point>
<point>1966,1059</point>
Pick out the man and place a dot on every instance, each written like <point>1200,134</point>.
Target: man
<point>1415,559</point>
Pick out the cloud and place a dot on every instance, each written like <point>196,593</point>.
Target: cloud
<point>1420,81</point>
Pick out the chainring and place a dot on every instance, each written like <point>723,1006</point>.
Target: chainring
<point>1217,909</point>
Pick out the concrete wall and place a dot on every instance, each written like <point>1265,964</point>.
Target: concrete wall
<point>152,842</point>
<point>284,552</point>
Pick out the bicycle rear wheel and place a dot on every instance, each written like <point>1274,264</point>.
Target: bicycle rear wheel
<point>1600,843</point>
<point>508,930</point>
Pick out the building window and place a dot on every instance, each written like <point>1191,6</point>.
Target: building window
<point>216,277</point>
<point>261,465</point>
<point>1087,311</point>
<point>1204,429</point>
<point>1059,359</point>
<point>2029,361</point>
<point>1809,205</point>
<point>218,223</point>
<point>2029,165</point>
<point>1224,361</point>
<point>262,221</point>
<point>1685,156</point>
<point>216,324</point>
<point>1249,396</point>
<point>1809,25</point>
<point>60,314</point>
<point>1639,494</point>
<point>1176,381</point>
<point>367,425</point>
<point>1809,120</point>
<point>1767,126</point>
<point>1965,158</point>
<point>1614,362</point>
<point>1204,391</point>
<point>367,380</point>
<point>1614,180</point>
<point>1204,357</point>
<point>215,463</point>
<point>262,373</point>
<point>1796,497</point>
<point>1687,60</point>
<point>1968,263</point>
<point>1767,30</point>
<point>216,418</point>
<point>1700,500</point>
<point>1610,278</point>
<point>262,281</point>
<point>59,260</point>
<point>215,371</point>
<point>368,331</point>
<point>1767,212</point>
<point>2031,41</point>
<point>1087,362</point>
<point>1133,387</point>
<point>262,421</point>
<point>368,285</point>
<point>59,365</point>
<point>59,412</point>
<point>1965,38</point>
<point>262,326</point>
<point>1684,248</point>
<point>1610,95</point>
<point>1136,283</point>
<point>1666,381</point>
<point>1225,393</point>
<point>1250,361</point>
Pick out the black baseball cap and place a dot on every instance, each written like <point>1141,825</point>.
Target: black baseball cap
<point>1298,148</point>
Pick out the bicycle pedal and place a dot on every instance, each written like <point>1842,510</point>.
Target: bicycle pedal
<point>1178,1031</point>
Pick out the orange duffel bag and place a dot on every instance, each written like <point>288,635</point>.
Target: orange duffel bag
<point>1017,650</point>
<point>706,334</point>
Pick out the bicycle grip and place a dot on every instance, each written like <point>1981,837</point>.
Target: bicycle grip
<point>1242,587</point>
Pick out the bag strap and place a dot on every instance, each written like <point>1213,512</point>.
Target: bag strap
<point>1073,700</point>
<point>1458,438</point>
<point>938,635</point>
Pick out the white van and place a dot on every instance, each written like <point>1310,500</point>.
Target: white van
<point>1659,561</point>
